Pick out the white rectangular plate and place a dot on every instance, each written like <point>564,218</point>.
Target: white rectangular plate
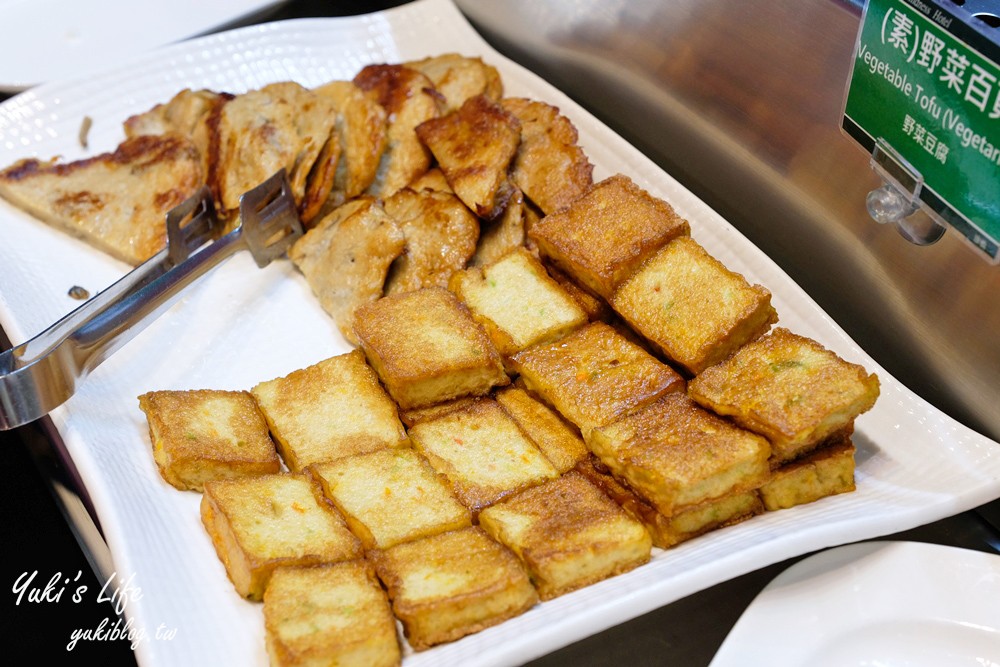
<point>240,325</point>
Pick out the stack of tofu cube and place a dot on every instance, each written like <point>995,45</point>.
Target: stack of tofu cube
<point>538,426</point>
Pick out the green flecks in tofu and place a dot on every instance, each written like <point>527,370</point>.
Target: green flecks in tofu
<point>785,364</point>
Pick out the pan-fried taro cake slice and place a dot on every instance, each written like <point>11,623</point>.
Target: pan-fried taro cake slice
<point>328,410</point>
<point>452,585</point>
<point>482,452</point>
<point>788,388</point>
<point>427,349</point>
<point>691,307</point>
<point>594,375</point>
<point>825,471</point>
<point>568,534</point>
<point>676,454</point>
<point>607,233</point>
<point>559,441</point>
<point>459,77</point>
<point>517,302</point>
<point>474,146</point>
<point>667,531</point>
<point>331,615</point>
<point>207,434</point>
<point>260,523</point>
<point>390,496</point>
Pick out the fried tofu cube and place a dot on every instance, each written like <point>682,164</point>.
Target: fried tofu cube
<point>594,375</point>
<point>691,307</point>
<point>788,388</point>
<point>459,77</point>
<point>329,615</point>
<point>346,258</point>
<point>607,233</point>
<point>568,534</point>
<point>474,146</point>
<point>482,452</point>
<point>550,167</point>
<point>427,349</point>
<point>826,471</point>
<point>681,526</point>
<point>417,415</point>
<point>517,302</point>
<point>328,410</point>
<point>676,454</point>
<point>441,235</point>
<point>559,441</point>
<point>260,523</point>
<point>595,307</point>
<point>452,585</point>
<point>202,435</point>
<point>390,496</point>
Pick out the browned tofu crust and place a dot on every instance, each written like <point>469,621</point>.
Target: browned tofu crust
<point>594,375</point>
<point>559,440</point>
<point>474,147</point>
<point>788,388</point>
<point>826,471</point>
<point>607,233</point>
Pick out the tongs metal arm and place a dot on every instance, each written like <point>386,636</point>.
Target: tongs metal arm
<point>42,373</point>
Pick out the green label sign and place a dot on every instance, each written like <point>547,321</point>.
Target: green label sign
<point>928,85</point>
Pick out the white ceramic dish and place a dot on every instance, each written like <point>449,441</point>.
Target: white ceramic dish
<point>890,604</point>
<point>49,40</point>
<point>240,325</point>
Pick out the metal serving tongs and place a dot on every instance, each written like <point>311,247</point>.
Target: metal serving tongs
<point>41,374</point>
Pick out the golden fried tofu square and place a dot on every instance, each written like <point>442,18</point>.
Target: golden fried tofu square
<point>550,167</point>
<point>482,452</point>
<point>427,348</point>
<point>594,375</point>
<point>207,434</point>
<point>346,258</point>
<point>682,526</point>
<point>417,415</point>
<point>595,307</point>
<point>826,471</point>
<point>409,99</point>
<point>328,410</point>
<point>457,77</point>
<point>517,302</point>
<point>788,388</point>
<point>607,233</point>
<point>452,585</point>
<point>691,307</point>
<point>330,615</point>
<point>676,454</point>
<point>568,534</point>
<point>559,440</point>
<point>260,523</point>
<point>441,235</point>
<point>474,146</point>
<point>390,496</point>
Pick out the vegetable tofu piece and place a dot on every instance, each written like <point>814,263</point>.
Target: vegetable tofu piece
<point>452,585</point>
<point>594,375</point>
<point>459,77</point>
<point>607,233</point>
<point>568,534</point>
<point>550,167</point>
<point>559,441</point>
<point>826,471</point>
<point>346,258</point>
<point>390,496</point>
<point>260,523</point>
<point>328,410</point>
<point>482,452</point>
<point>329,615</point>
<point>517,302</point>
<point>427,349</point>
<point>691,307</point>
<point>676,454</point>
<point>667,531</point>
<point>474,146</point>
<point>788,388</point>
<point>441,235</point>
<point>409,99</point>
<point>202,435</point>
